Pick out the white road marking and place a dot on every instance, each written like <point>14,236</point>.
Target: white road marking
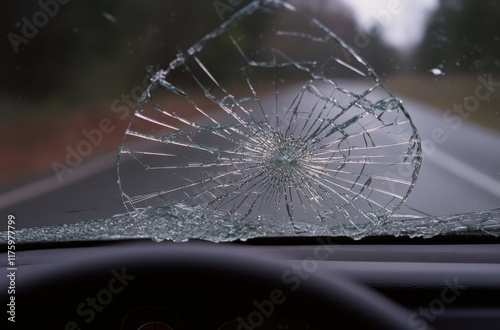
<point>51,183</point>
<point>465,172</point>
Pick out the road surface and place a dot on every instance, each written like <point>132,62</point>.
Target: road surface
<point>460,173</point>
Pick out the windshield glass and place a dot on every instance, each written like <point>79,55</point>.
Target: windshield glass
<point>268,118</point>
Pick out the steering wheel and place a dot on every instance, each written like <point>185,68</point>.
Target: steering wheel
<point>178,285</point>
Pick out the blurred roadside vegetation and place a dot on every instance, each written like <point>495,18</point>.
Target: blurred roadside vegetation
<point>92,52</point>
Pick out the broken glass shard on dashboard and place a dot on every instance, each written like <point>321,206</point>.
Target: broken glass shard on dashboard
<point>270,118</point>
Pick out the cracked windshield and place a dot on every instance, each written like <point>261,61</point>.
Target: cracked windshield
<point>232,120</point>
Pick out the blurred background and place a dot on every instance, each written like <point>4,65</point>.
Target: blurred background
<point>69,68</point>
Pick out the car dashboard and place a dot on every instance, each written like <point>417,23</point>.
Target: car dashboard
<point>316,283</point>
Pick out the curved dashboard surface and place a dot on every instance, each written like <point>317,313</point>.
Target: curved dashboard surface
<point>146,285</point>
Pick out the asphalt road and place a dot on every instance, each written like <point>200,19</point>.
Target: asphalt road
<point>459,174</point>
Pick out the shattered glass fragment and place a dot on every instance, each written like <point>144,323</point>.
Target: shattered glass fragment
<point>270,118</point>
<point>181,222</point>
<point>437,72</point>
